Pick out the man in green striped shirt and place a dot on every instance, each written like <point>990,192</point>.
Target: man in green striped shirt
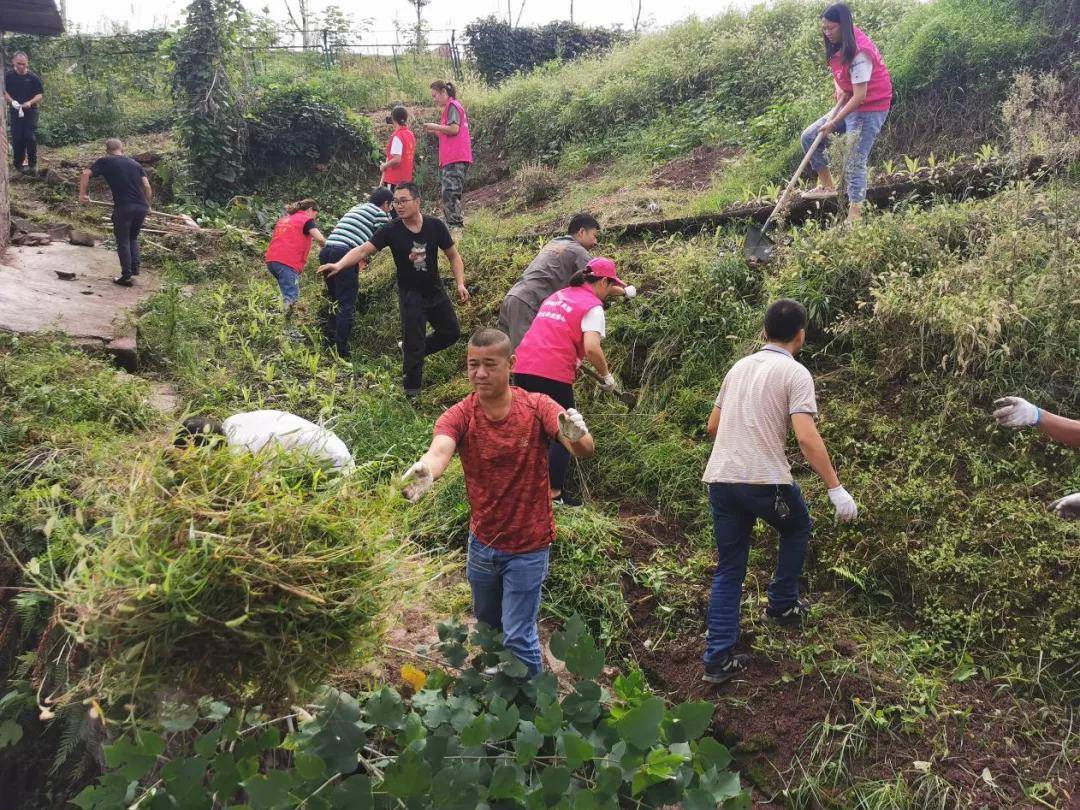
<point>354,229</point>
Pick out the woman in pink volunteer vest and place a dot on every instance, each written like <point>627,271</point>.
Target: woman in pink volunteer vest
<point>455,149</point>
<point>567,329</point>
<point>289,248</point>
<point>863,92</point>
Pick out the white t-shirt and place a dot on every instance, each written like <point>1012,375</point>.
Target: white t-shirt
<point>397,148</point>
<point>254,430</point>
<point>861,68</point>
<point>594,321</point>
<point>756,401</point>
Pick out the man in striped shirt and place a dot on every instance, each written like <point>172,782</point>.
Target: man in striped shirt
<point>354,229</point>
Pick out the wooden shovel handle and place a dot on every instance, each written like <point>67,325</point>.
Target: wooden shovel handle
<point>794,179</point>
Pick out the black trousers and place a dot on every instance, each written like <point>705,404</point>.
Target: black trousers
<point>24,137</point>
<point>341,291</point>
<point>563,393</point>
<point>418,308</point>
<point>127,221</point>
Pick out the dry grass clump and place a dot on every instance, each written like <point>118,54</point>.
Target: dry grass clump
<point>221,570</point>
<point>537,183</point>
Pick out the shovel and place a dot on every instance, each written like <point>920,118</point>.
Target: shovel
<point>628,398</point>
<point>758,247</point>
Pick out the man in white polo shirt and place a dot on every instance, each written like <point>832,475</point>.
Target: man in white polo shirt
<point>749,477</point>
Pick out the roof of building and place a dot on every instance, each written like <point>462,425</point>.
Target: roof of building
<point>30,17</point>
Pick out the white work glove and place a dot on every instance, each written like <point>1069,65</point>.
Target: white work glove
<point>15,105</point>
<point>1015,412</point>
<point>572,426</point>
<point>1067,508</point>
<point>609,383</point>
<point>630,291</point>
<point>846,510</point>
<point>419,480</point>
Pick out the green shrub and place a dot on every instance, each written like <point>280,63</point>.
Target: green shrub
<point>293,127</point>
<point>459,741</point>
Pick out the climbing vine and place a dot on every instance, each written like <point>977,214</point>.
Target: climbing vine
<point>210,116</point>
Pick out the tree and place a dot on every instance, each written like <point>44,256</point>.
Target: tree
<point>301,21</point>
<point>420,30</point>
<point>209,113</point>
<point>340,27</point>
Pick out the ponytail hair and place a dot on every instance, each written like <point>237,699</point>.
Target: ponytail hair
<point>582,277</point>
<point>300,205</point>
<point>447,87</point>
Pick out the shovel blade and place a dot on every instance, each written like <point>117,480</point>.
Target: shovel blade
<point>758,247</point>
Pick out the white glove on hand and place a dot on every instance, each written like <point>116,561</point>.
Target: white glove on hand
<point>846,510</point>
<point>572,426</point>
<point>15,105</point>
<point>1067,508</point>
<point>608,384</point>
<point>1015,412</point>
<point>630,291</point>
<point>419,480</point>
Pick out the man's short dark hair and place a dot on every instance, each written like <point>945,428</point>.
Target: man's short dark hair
<point>381,196</point>
<point>484,338</point>
<point>198,430</point>
<point>579,221</point>
<point>412,188</point>
<point>784,319</point>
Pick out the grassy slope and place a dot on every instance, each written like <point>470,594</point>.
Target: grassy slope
<point>945,619</point>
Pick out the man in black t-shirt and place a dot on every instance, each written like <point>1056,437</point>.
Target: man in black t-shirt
<point>23,91</point>
<point>131,195</point>
<point>415,241</point>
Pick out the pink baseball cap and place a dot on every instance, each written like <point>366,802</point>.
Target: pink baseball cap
<point>603,267</point>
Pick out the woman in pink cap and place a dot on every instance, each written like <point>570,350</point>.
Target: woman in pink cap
<point>567,329</point>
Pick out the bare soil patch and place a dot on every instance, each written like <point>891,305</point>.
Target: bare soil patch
<point>696,170</point>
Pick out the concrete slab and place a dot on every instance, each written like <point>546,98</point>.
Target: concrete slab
<point>89,308</point>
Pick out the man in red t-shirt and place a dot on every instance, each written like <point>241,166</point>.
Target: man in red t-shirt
<point>501,434</point>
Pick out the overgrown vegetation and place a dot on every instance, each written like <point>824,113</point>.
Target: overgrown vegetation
<point>944,627</point>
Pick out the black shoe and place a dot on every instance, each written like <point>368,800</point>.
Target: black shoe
<point>794,613</point>
<point>726,668</point>
<point>123,281</point>
<point>567,500</point>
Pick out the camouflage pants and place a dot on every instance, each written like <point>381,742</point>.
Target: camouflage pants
<point>453,184</point>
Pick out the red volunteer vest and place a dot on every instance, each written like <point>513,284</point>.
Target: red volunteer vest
<point>878,89</point>
<point>289,245</point>
<point>555,344</point>
<point>403,172</point>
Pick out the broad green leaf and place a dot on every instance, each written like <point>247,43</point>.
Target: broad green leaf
<point>132,759</point>
<point>740,802</point>
<point>548,717</point>
<point>721,784</point>
<point>352,794</point>
<point>505,722</point>
<point>178,717</point>
<point>309,766</point>
<point>270,791</point>
<point>608,781</point>
<point>527,743</point>
<point>10,733</point>
<point>562,640</point>
<point>226,778</point>
<point>463,709</point>
<point>413,729</point>
<point>456,787</point>
<point>582,706</point>
<point>476,733</point>
<point>555,781</point>
<point>184,776</point>
<point>507,782</point>
<point>693,718</point>
<point>641,725</point>
<point>712,755</point>
<point>576,749</point>
<point>698,799</point>
<point>409,775</point>
<point>455,654</point>
<point>112,791</point>
<point>385,709</point>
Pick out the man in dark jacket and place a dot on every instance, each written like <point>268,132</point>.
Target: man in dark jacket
<point>23,91</point>
<point>131,195</point>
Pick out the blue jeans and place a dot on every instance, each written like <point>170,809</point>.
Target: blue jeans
<point>867,125</point>
<point>506,596</point>
<point>735,509</point>
<point>288,280</point>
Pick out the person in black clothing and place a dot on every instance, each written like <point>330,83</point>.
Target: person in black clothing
<point>131,195</point>
<point>415,241</point>
<point>23,91</point>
